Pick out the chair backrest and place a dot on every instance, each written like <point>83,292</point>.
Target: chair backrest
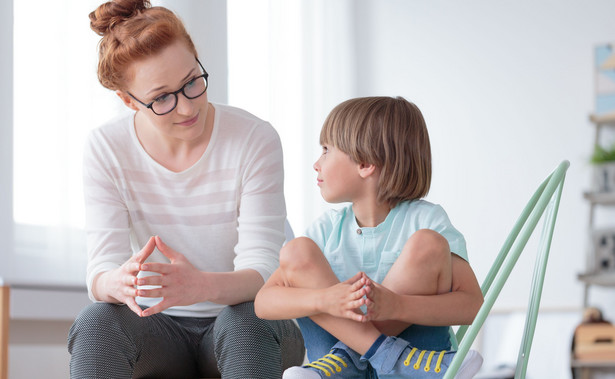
<point>544,202</point>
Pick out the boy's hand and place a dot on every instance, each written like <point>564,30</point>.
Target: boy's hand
<point>381,301</point>
<point>344,299</point>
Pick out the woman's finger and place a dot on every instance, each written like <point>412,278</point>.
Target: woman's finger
<point>166,250</point>
<point>129,280</point>
<point>151,280</point>
<point>155,309</point>
<point>150,292</point>
<point>146,251</point>
<point>129,291</point>
<point>160,268</point>
<point>132,304</point>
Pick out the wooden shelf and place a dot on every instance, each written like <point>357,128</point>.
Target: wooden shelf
<point>604,198</point>
<point>601,279</point>
<point>603,119</point>
<point>576,363</point>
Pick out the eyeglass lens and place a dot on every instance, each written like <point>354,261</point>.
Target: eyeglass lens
<point>167,102</point>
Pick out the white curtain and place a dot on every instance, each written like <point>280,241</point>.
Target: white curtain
<point>56,101</point>
<point>291,62</point>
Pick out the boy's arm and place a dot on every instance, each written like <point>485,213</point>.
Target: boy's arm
<point>458,307</point>
<point>276,300</point>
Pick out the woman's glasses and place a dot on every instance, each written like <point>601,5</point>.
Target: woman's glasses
<point>165,103</point>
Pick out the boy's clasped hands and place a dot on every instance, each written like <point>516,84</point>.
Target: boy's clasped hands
<point>345,299</point>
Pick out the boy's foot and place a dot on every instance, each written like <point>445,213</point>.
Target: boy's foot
<point>396,358</point>
<point>341,362</point>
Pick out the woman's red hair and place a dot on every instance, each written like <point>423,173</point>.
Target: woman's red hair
<point>132,30</point>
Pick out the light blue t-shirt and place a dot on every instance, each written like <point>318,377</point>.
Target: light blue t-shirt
<point>350,248</point>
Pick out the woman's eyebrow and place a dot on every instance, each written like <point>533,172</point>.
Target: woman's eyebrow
<point>163,87</point>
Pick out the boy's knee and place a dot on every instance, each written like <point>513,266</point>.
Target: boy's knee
<point>427,245</point>
<point>297,254</point>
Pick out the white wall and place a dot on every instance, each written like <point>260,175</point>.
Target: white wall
<point>506,89</point>
<point>6,133</point>
<point>206,23</point>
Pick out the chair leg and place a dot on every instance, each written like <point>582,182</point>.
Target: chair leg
<point>4,332</point>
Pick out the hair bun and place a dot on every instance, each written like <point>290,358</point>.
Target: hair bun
<point>111,13</point>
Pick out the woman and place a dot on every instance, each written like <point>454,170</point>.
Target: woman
<point>184,217</point>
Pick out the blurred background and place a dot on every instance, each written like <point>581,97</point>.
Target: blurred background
<point>506,89</point>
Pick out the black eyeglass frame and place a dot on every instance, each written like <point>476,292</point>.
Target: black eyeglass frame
<point>175,93</point>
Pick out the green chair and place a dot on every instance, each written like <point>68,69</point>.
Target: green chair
<point>544,202</point>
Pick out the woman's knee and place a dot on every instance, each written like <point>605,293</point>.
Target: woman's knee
<point>239,332</point>
<point>268,346</point>
<point>236,318</point>
<point>95,314</point>
<point>237,326</point>
<point>98,320</point>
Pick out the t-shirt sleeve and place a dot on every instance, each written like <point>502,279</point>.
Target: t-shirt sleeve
<point>438,220</point>
<point>320,229</point>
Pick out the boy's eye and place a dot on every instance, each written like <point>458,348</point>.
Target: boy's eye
<point>325,150</point>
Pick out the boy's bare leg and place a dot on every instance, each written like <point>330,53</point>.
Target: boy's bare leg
<point>424,267</point>
<point>304,266</point>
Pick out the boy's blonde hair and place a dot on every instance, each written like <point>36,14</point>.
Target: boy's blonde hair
<point>389,133</point>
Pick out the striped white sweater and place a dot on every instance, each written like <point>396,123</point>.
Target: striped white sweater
<point>224,213</point>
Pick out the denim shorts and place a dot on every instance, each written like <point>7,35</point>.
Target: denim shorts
<point>318,341</point>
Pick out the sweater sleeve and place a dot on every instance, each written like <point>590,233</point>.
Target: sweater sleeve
<point>262,210</point>
<point>106,216</point>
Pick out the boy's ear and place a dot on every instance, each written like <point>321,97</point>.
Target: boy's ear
<point>127,100</point>
<point>366,170</point>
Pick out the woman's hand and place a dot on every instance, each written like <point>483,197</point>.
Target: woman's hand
<point>178,281</point>
<point>381,302</point>
<point>344,299</point>
<point>118,286</point>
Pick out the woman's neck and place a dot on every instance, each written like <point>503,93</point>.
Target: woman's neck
<point>173,153</point>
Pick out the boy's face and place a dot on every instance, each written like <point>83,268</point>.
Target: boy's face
<point>338,176</point>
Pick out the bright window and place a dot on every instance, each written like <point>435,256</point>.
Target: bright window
<point>57,100</point>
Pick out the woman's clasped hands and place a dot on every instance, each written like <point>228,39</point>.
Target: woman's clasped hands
<point>175,281</point>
